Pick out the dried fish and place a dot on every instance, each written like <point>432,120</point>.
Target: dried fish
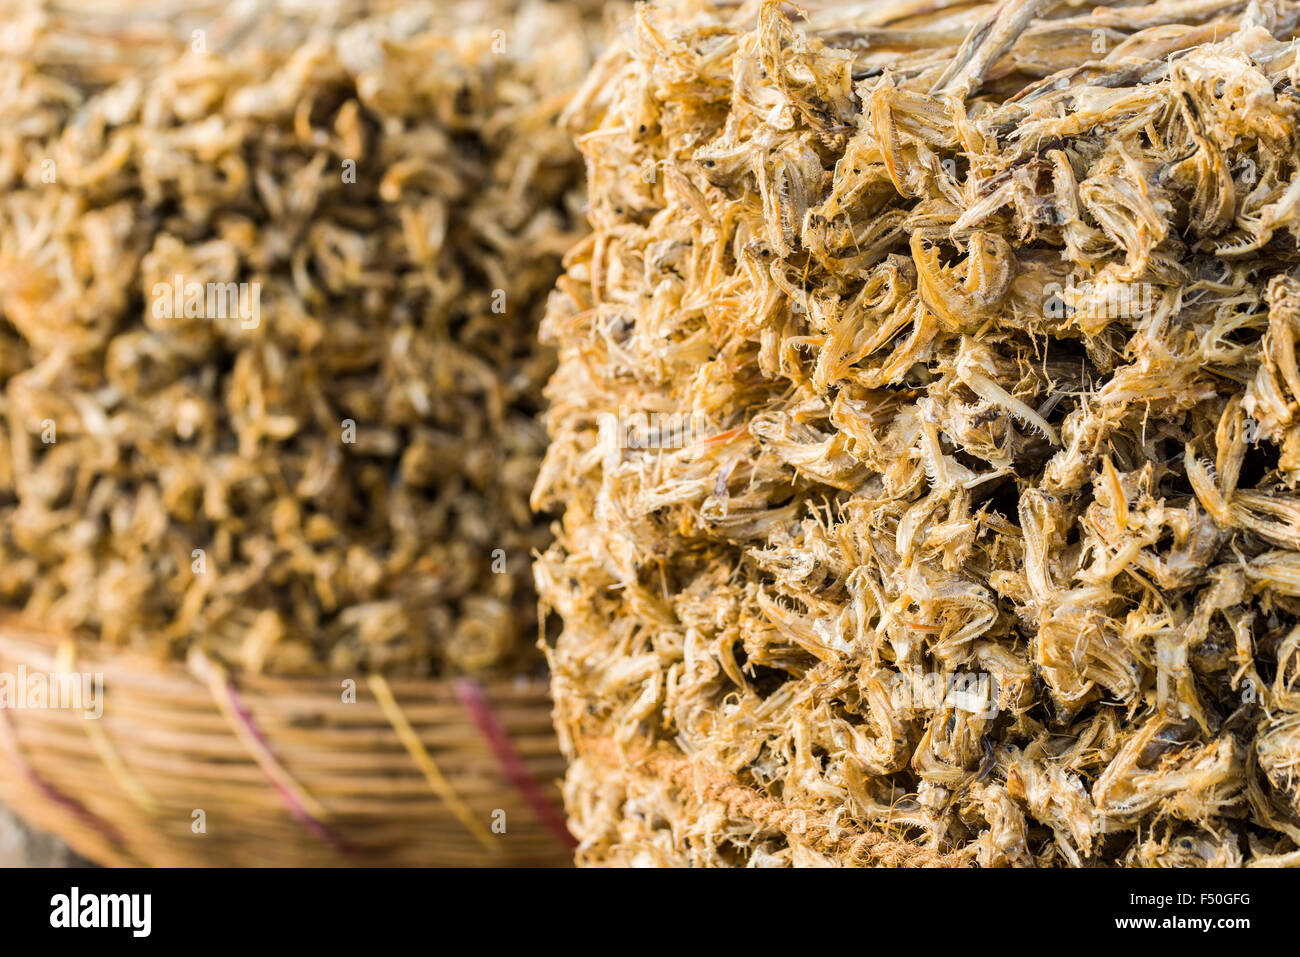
<point>269,287</point>
<point>982,545</point>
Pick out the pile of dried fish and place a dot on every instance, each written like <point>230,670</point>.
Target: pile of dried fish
<point>927,428</point>
<point>268,303</point>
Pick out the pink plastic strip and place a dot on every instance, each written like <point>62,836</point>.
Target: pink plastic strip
<point>53,794</point>
<point>299,813</point>
<point>512,765</point>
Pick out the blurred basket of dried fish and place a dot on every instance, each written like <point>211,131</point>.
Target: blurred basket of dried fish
<point>269,284</point>
<point>927,428</point>
<point>269,294</point>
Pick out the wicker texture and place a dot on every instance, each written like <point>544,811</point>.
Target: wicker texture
<point>125,791</point>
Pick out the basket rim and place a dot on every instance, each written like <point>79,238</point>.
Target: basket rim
<point>21,637</point>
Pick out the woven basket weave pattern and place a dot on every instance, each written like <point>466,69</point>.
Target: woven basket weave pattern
<point>127,792</point>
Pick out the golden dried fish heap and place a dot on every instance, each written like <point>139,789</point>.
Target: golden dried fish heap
<point>269,298</point>
<point>927,427</point>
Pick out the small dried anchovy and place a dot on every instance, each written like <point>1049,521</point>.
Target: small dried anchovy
<point>325,464</point>
<point>927,428</point>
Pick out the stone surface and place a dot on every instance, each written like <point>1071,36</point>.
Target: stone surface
<point>22,847</point>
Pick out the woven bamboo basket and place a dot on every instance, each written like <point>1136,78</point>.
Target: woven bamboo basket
<point>191,766</point>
